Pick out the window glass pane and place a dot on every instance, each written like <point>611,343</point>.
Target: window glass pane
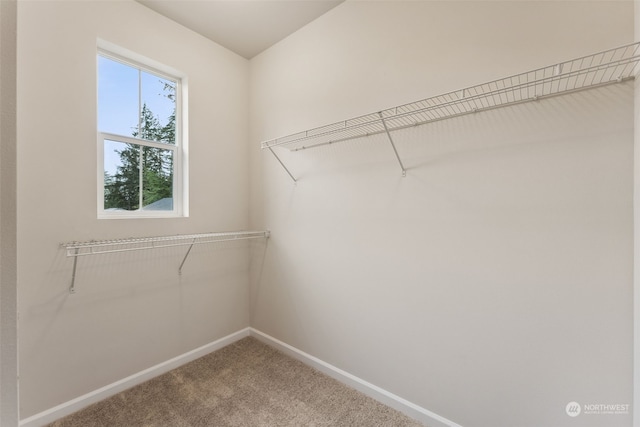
<point>136,103</point>
<point>157,179</point>
<point>117,97</point>
<point>121,176</point>
<point>158,108</point>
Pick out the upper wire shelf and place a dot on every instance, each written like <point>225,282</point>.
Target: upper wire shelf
<point>598,69</point>
<point>95,247</point>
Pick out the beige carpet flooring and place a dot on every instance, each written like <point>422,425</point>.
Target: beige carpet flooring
<point>244,384</point>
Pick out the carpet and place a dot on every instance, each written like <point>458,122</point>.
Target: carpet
<point>244,384</point>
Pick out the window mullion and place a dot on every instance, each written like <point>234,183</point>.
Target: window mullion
<point>140,150</point>
<point>140,177</point>
<point>137,141</point>
<point>140,103</point>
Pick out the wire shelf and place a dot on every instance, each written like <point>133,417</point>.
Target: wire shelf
<point>96,247</point>
<point>602,68</point>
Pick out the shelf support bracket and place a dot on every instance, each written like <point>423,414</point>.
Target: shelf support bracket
<point>72,287</point>
<point>186,256</point>
<point>386,129</point>
<point>282,164</point>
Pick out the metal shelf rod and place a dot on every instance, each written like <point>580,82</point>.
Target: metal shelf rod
<point>152,246</point>
<point>282,164</point>
<point>72,286</point>
<point>464,113</point>
<point>468,99</point>
<point>588,72</point>
<point>186,256</point>
<point>77,249</point>
<point>181,239</point>
<point>393,145</point>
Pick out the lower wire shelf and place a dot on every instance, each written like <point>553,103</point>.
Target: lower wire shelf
<point>97,247</point>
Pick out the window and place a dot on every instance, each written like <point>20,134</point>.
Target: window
<point>139,145</point>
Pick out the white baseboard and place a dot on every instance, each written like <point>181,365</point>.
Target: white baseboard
<point>396,402</point>
<point>410,409</point>
<point>81,402</point>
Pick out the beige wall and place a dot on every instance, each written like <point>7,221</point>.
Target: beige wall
<point>131,311</point>
<point>493,284</point>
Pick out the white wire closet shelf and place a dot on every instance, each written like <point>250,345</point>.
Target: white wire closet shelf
<point>607,67</point>
<point>97,247</point>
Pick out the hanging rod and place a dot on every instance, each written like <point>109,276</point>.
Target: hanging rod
<point>96,247</point>
<point>603,68</point>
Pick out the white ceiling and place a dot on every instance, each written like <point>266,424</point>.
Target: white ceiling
<point>246,27</point>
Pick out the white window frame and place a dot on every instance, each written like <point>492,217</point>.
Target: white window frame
<point>178,149</point>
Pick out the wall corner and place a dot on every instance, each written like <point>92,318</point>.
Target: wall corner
<point>9,408</point>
